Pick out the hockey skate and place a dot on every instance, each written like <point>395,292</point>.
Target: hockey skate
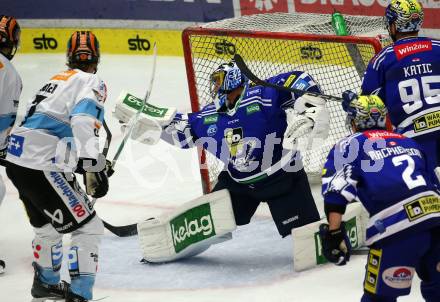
<point>47,292</point>
<point>71,297</point>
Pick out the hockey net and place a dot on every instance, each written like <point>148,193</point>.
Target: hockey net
<point>275,43</point>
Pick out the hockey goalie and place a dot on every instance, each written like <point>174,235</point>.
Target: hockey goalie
<point>254,130</point>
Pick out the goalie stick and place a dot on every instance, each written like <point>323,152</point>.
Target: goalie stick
<point>131,229</point>
<point>251,76</point>
<point>135,118</point>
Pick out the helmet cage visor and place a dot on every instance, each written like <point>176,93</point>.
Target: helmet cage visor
<point>216,82</point>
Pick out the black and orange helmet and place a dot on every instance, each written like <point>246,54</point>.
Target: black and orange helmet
<point>82,48</point>
<point>9,36</point>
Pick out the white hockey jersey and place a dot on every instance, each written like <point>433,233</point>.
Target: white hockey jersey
<point>62,123</point>
<point>10,90</point>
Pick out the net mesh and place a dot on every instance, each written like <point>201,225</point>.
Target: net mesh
<point>335,65</point>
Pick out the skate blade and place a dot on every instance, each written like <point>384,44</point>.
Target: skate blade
<point>47,300</point>
<point>60,299</point>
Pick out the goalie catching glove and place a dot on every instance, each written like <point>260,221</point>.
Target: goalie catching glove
<point>148,127</point>
<point>335,244</point>
<point>310,117</point>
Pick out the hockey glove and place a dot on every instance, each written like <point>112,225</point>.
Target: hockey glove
<point>96,183</point>
<point>3,153</point>
<point>109,168</point>
<point>335,244</point>
<point>347,97</point>
<point>95,179</point>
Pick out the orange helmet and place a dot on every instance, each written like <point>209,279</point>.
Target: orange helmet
<point>9,35</point>
<point>83,47</point>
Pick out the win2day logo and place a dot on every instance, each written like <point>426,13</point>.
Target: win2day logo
<point>45,42</point>
<point>138,44</point>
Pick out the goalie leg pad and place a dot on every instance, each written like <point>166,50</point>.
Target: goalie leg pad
<point>307,251</point>
<point>189,230</point>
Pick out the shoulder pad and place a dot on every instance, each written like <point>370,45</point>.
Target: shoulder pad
<point>208,107</point>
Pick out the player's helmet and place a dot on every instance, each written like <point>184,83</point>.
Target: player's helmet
<point>366,112</point>
<point>225,79</point>
<point>9,36</point>
<point>82,48</point>
<point>407,15</point>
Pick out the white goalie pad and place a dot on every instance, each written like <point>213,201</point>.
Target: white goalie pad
<point>148,127</point>
<point>189,230</point>
<point>307,251</point>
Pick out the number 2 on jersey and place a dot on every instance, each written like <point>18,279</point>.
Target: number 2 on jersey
<point>407,176</point>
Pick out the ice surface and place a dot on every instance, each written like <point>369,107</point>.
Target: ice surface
<point>254,266</point>
<point>255,255</point>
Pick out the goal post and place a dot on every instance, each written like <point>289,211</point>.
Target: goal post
<point>275,43</point>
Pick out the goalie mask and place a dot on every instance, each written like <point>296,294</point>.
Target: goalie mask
<point>224,80</point>
<point>366,112</point>
<point>9,36</point>
<point>407,15</point>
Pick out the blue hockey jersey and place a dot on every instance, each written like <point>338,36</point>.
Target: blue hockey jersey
<point>248,138</point>
<point>388,173</point>
<point>406,75</point>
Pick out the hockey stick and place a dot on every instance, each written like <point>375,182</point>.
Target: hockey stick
<point>251,76</point>
<point>135,118</point>
<point>123,231</point>
<point>114,229</point>
<point>131,229</point>
<point>108,139</point>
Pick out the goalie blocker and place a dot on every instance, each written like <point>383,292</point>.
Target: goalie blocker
<point>189,230</point>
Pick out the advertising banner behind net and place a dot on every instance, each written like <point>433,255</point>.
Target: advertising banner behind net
<point>349,7</point>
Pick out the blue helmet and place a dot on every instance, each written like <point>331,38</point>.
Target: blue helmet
<point>407,15</point>
<point>225,79</point>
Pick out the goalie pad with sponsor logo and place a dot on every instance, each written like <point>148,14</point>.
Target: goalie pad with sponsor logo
<point>189,230</point>
<point>307,248</point>
<point>148,128</point>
